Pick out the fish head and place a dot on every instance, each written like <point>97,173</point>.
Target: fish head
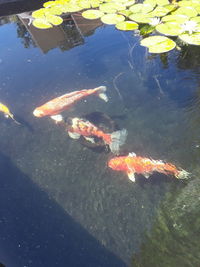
<point>38,113</point>
<point>117,164</point>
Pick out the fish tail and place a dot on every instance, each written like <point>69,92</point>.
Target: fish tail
<point>182,174</point>
<point>12,117</point>
<point>101,93</point>
<point>118,138</point>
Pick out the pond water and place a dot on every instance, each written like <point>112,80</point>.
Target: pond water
<point>60,204</point>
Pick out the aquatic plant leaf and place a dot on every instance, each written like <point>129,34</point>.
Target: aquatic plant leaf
<point>150,2</point>
<point>129,3</point>
<point>159,11</point>
<point>162,2</point>
<point>187,11</point>
<point>111,7</point>
<point>95,4</point>
<point>191,3</point>
<point>175,18</point>
<point>193,39</point>
<point>169,28</point>
<point>141,8</point>
<point>49,3</point>
<point>55,10</point>
<point>146,29</point>
<point>84,4</point>
<point>112,18</point>
<point>140,18</point>
<point>127,25</point>
<point>170,7</point>
<point>126,12</point>
<point>40,13</point>
<point>92,14</point>
<point>42,24</point>
<point>73,8</point>
<point>55,20</point>
<point>196,19</point>
<point>158,44</point>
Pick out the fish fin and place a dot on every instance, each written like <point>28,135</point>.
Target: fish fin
<point>131,176</point>
<point>132,154</point>
<point>146,175</point>
<point>10,115</point>
<point>57,118</point>
<point>90,139</point>
<point>102,94</point>
<point>118,138</point>
<point>183,174</point>
<point>74,135</point>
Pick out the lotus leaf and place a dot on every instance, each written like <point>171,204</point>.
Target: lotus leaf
<point>193,39</point>
<point>140,18</point>
<point>159,11</point>
<point>92,14</point>
<point>175,18</point>
<point>112,18</point>
<point>55,20</point>
<point>141,8</point>
<point>42,24</point>
<point>40,13</point>
<point>187,11</point>
<point>158,44</point>
<point>169,28</point>
<point>127,25</point>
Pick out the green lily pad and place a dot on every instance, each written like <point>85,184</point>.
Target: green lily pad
<point>55,20</point>
<point>170,7</point>
<point>187,11</point>
<point>141,8</point>
<point>169,28</point>
<point>196,19</point>
<point>112,18</point>
<point>158,44</point>
<point>191,3</point>
<point>162,2</point>
<point>92,14</point>
<point>42,24</point>
<point>146,29</point>
<point>84,4</point>
<point>111,7</point>
<point>140,18</point>
<point>159,11</point>
<point>55,10</point>
<point>175,18</point>
<point>127,25</point>
<point>125,13</point>
<point>49,3</point>
<point>38,14</point>
<point>193,39</point>
<point>150,2</point>
<point>129,3</point>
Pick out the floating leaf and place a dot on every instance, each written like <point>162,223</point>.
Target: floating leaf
<point>193,39</point>
<point>40,13</point>
<point>127,25</point>
<point>187,11</point>
<point>196,19</point>
<point>141,8</point>
<point>112,18</point>
<point>55,10</point>
<point>175,18</point>
<point>158,44</point>
<point>162,2</point>
<point>41,24</point>
<point>146,29</point>
<point>150,2</point>
<point>111,7</point>
<point>49,3</point>
<point>129,3</point>
<point>169,28</point>
<point>159,11</point>
<point>92,14</point>
<point>140,18</point>
<point>55,20</point>
<point>170,7</point>
<point>126,12</point>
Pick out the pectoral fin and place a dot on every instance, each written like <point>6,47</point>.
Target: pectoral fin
<point>131,176</point>
<point>90,139</point>
<point>74,135</point>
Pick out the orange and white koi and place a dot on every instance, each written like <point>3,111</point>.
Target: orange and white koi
<point>81,127</point>
<point>64,102</point>
<point>7,113</point>
<point>133,164</point>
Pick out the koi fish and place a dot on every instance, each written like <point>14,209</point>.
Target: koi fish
<point>80,127</point>
<point>64,102</point>
<point>7,113</point>
<point>133,164</point>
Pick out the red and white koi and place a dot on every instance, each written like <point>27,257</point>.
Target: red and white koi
<point>133,164</point>
<point>64,102</point>
<point>81,127</point>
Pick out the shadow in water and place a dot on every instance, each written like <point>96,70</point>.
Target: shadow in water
<point>35,231</point>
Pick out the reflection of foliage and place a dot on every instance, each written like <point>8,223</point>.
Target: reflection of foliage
<point>25,36</point>
<point>174,239</point>
<point>8,19</point>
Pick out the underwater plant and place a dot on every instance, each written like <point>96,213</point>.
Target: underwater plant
<point>160,18</point>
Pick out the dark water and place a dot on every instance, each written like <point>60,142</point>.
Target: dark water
<point>60,204</point>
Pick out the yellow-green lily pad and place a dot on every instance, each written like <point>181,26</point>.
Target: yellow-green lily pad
<point>112,18</point>
<point>169,28</point>
<point>49,3</point>
<point>193,39</point>
<point>125,13</point>
<point>38,14</point>
<point>92,14</point>
<point>158,44</point>
<point>159,11</point>
<point>141,18</point>
<point>111,7</point>
<point>42,24</point>
<point>141,8</point>
<point>187,11</point>
<point>175,18</point>
<point>55,10</point>
<point>55,20</point>
<point>162,2</point>
<point>127,25</point>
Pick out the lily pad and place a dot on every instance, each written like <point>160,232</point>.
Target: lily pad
<point>146,29</point>
<point>55,20</point>
<point>125,13</point>
<point>127,25</point>
<point>38,14</point>
<point>112,18</point>
<point>49,3</point>
<point>187,11</point>
<point>162,2</point>
<point>169,28</point>
<point>159,11</point>
<point>141,8</point>
<point>193,39</point>
<point>92,14</point>
<point>42,24</point>
<point>111,7</point>
<point>158,44</point>
<point>175,18</point>
<point>140,18</point>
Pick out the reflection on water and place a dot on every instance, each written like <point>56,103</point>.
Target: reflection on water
<point>153,97</point>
